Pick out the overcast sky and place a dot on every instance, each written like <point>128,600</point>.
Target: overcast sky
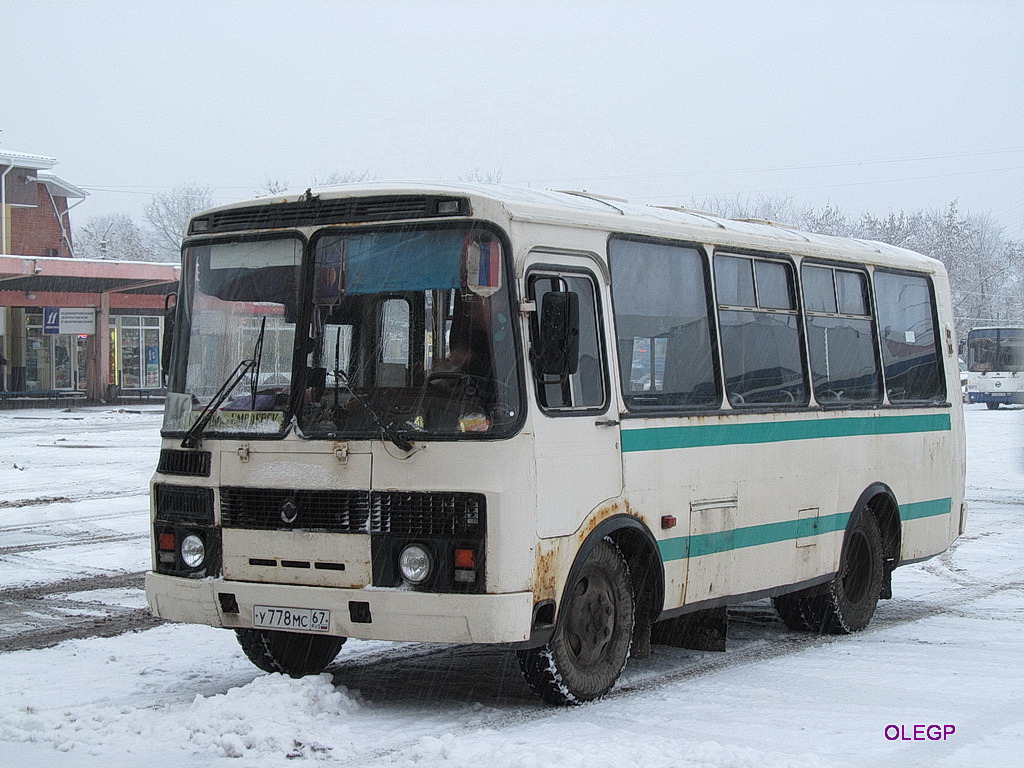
<point>872,106</point>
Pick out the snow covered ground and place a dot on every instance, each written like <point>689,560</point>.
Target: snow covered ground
<point>936,680</point>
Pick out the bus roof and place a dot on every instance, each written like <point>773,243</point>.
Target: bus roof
<point>598,212</point>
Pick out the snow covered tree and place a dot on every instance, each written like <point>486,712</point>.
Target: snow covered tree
<point>114,236</point>
<point>168,214</point>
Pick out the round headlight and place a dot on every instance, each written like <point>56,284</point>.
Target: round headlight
<point>193,551</point>
<point>415,563</point>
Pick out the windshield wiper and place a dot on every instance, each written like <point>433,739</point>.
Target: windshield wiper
<point>195,432</point>
<point>257,357</point>
<point>387,427</point>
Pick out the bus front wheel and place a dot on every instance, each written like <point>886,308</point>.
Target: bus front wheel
<point>589,648</point>
<point>291,653</point>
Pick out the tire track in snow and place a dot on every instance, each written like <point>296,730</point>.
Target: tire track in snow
<point>47,500</point>
<point>78,540</point>
<point>757,650</point>
<point>61,617</point>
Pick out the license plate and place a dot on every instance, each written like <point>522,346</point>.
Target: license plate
<point>294,619</point>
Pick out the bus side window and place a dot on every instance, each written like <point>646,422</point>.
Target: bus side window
<point>584,387</point>
<point>664,345</point>
<point>907,323</point>
<point>761,344</point>
<point>840,336</point>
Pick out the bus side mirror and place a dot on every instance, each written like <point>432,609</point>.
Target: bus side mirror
<point>558,352</point>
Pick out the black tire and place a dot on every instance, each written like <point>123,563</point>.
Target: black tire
<point>291,653</point>
<point>850,600</point>
<point>992,406</point>
<point>593,633</point>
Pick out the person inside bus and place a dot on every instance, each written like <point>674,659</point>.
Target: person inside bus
<point>468,355</point>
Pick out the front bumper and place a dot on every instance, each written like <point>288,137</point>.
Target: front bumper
<point>367,614</point>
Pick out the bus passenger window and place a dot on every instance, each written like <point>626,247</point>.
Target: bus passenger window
<point>760,332</point>
<point>661,315</point>
<point>906,321</point>
<point>840,336</point>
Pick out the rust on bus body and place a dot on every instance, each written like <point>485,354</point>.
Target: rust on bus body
<point>552,564</point>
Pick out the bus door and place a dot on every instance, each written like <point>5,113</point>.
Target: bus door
<point>578,459</point>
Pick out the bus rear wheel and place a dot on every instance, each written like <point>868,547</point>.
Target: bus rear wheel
<point>850,600</point>
<point>992,406</point>
<point>291,653</point>
<point>592,637</point>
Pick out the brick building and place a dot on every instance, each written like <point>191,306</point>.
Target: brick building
<point>70,328</point>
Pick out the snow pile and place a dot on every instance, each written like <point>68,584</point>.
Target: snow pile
<point>305,718</point>
<point>273,716</point>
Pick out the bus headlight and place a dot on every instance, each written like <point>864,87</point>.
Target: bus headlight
<point>193,551</point>
<point>415,563</point>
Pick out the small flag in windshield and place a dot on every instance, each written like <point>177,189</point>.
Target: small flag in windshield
<point>483,267</point>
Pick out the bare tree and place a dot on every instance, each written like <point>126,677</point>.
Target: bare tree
<point>271,187</point>
<point>487,177</point>
<point>115,236</point>
<point>337,177</point>
<point>169,213</point>
<point>986,270</point>
<point>278,186</point>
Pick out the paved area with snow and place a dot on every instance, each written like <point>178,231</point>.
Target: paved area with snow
<point>936,679</point>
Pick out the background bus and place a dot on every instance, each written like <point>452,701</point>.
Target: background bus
<point>995,366</point>
<point>478,414</point>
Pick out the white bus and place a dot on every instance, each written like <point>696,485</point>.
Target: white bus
<point>995,366</point>
<point>475,414</point>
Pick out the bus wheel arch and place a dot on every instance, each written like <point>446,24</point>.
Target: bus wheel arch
<point>881,502</point>
<point>870,551</point>
<point>854,592</point>
<point>607,600</point>
<point>647,575</point>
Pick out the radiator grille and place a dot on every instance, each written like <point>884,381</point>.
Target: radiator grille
<point>402,513</point>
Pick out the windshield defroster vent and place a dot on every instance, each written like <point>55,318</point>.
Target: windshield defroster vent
<point>318,212</point>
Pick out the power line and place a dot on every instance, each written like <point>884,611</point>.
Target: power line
<point>772,169</point>
<point>848,184</point>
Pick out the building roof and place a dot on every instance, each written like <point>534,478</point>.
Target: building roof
<point>59,187</point>
<point>59,275</point>
<point>23,160</point>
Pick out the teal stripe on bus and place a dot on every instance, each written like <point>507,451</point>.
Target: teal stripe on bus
<point>682,547</point>
<point>926,509</point>
<point>706,435</point>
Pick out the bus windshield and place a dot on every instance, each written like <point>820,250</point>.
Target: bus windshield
<point>995,349</point>
<point>395,334</point>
